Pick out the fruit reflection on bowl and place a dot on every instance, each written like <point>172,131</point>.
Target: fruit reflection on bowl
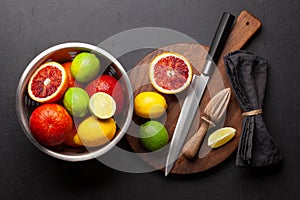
<point>65,53</point>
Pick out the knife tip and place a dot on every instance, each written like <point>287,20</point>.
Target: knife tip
<point>166,173</point>
<point>167,170</point>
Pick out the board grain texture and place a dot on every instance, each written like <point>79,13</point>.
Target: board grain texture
<point>245,27</point>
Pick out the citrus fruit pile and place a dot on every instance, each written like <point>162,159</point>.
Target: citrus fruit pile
<point>74,89</point>
<point>169,73</point>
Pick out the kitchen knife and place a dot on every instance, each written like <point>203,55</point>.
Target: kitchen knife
<point>196,90</point>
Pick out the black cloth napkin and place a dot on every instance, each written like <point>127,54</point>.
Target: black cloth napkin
<point>248,77</point>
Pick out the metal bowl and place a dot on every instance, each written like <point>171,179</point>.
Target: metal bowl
<point>63,53</point>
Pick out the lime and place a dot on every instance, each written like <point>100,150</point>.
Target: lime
<point>93,132</point>
<point>150,105</point>
<point>85,67</point>
<point>221,137</point>
<point>102,105</point>
<point>153,135</point>
<point>76,101</point>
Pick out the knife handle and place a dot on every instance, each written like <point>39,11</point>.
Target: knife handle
<point>191,148</point>
<point>218,42</point>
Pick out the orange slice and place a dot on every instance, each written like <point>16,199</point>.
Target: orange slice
<point>170,73</point>
<point>48,83</point>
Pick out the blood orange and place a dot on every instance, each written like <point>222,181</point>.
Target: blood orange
<point>48,83</point>
<point>170,72</point>
<point>50,124</point>
<point>71,80</point>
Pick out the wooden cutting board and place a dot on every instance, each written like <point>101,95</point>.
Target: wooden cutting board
<point>245,27</point>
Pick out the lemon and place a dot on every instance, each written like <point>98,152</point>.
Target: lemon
<point>85,67</point>
<point>76,101</point>
<point>153,135</point>
<point>102,105</point>
<point>221,137</point>
<point>150,105</point>
<point>77,140</point>
<point>93,132</point>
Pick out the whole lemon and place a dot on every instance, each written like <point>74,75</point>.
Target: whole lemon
<point>150,105</point>
<point>93,132</point>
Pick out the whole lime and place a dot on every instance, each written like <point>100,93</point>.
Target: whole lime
<point>153,135</point>
<point>76,101</point>
<point>85,67</point>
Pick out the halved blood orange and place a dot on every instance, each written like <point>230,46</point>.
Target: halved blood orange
<point>170,72</point>
<point>48,83</point>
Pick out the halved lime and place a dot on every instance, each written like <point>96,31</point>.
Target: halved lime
<point>102,105</point>
<point>221,137</point>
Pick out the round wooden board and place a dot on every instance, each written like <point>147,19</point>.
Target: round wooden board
<point>207,157</point>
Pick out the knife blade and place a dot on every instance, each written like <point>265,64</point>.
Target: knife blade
<point>196,90</point>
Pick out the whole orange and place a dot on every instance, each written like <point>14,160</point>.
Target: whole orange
<point>71,80</point>
<point>50,123</point>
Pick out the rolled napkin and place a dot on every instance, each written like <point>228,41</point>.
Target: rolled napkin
<point>248,77</point>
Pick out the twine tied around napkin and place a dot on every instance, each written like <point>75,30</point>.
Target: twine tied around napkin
<point>248,77</point>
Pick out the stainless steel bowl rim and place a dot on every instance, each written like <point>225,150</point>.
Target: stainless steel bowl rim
<point>24,122</point>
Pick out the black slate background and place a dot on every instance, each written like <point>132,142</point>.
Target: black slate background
<point>29,27</point>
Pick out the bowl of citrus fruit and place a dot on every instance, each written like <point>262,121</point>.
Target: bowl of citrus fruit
<point>74,101</point>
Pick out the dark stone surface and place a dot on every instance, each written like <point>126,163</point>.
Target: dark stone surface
<point>29,27</point>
